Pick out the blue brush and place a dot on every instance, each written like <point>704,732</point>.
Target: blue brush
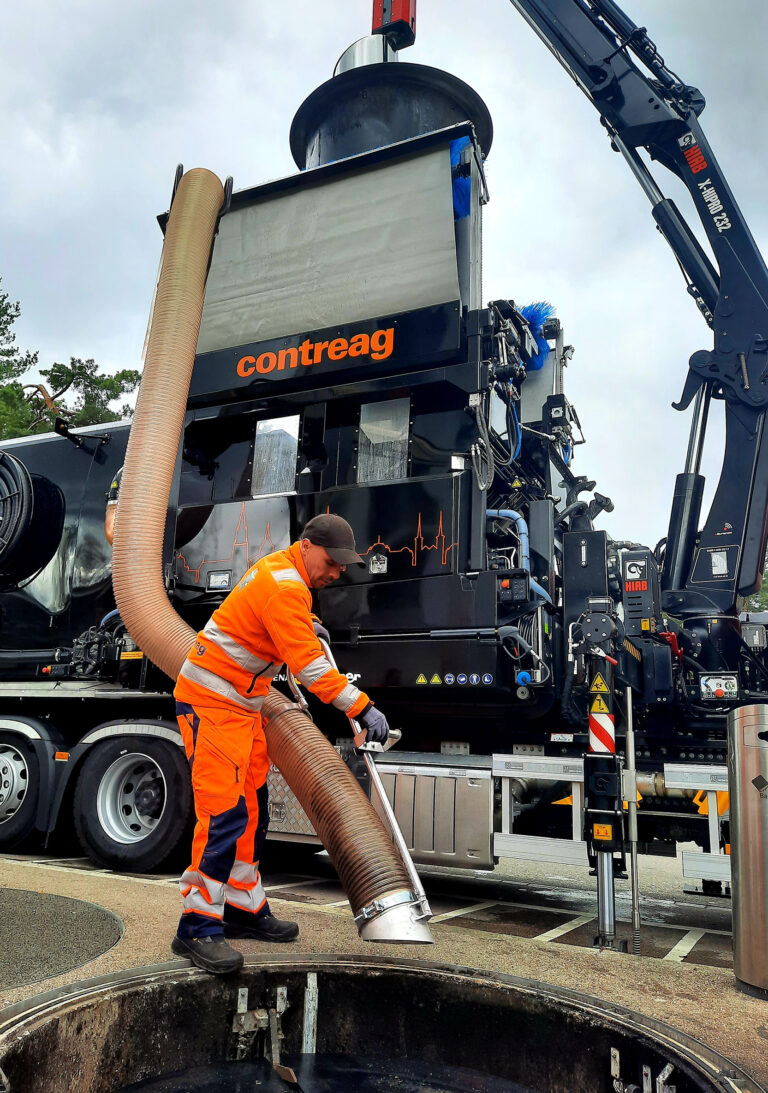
<point>537,315</point>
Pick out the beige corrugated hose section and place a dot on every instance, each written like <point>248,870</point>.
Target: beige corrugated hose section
<point>355,837</point>
<point>137,570</point>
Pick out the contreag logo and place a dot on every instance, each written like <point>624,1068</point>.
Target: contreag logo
<point>378,346</point>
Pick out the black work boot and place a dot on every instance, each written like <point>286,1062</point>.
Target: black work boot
<point>264,927</point>
<point>211,953</point>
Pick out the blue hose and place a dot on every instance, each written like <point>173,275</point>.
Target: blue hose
<point>106,618</point>
<point>525,545</point>
<point>518,430</point>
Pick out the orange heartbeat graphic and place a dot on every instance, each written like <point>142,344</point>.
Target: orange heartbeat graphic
<point>242,524</point>
<point>419,545</point>
<point>267,546</point>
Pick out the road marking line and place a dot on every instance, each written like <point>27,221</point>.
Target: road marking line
<point>550,908</point>
<point>679,952</point>
<point>464,910</point>
<point>295,884</point>
<point>566,928</point>
<point>56,861</point>
<point>336,903</point>
<point>94,873</point>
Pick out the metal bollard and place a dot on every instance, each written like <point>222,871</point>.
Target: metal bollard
<point>748,784</point>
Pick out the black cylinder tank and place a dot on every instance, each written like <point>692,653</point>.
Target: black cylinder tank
<point>380,104</point>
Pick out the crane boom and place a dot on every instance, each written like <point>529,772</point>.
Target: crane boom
<point>644,105</point>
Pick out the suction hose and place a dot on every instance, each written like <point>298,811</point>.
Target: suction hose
<point>137,552</point>
<point>373,874</point>
<point>374,877</point>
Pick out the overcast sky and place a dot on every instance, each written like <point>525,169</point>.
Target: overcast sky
<point>101,101</point>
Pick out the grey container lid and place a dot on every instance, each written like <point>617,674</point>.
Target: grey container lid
<point>381,104</point>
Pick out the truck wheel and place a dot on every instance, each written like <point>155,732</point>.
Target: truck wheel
<point>133,803</point>
<point>19,789</point>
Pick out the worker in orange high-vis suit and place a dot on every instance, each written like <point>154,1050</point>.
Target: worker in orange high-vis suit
<point>264,622</point>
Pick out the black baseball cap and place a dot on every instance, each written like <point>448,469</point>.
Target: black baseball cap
<point>335,534</point>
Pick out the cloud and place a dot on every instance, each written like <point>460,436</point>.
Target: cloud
<point>101,101</point>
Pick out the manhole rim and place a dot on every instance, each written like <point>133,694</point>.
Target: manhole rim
<point>23,1017</point>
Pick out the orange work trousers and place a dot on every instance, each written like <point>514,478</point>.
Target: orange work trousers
<point>227,753</point>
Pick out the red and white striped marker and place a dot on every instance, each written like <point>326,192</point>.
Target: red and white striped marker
<point>602,724</point>
<point>602,733</point>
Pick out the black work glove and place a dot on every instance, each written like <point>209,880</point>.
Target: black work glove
<point>320,631</point>
<point>375,724</point>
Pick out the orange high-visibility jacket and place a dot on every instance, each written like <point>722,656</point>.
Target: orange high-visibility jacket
<point>264,622</point>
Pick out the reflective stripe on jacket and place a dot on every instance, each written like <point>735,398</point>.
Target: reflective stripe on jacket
<point>263,623</point>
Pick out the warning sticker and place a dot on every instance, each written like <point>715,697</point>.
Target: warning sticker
<point>598,684</point>
<point>422,678</point>
<point>599,705</point>
<point>435,679</point>
<point>602,831</point>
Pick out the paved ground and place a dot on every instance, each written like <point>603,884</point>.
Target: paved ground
<point>535,923</point>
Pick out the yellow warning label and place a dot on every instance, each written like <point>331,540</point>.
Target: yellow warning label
<point>602,831</point>
<point>132,654</point>
<point>645,624</point>
<point>599,684</point>
<point>435,679</point>
<point>600,705</point>
<point>422,678</point>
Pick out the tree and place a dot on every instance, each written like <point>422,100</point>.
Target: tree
<point>33,407</point>
<point>759,602</point>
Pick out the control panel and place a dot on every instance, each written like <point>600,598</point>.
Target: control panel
<point>719,686</point>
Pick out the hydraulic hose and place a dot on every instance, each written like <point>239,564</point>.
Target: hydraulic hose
<point>525,546</point>
<point>372,872</point>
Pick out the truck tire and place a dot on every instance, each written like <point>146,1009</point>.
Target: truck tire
<point>133,803</point>
<point>19,789</point>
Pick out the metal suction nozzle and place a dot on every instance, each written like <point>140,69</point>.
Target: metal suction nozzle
<point>398,919</point>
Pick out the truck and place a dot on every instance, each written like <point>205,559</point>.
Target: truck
<point>346,361</point>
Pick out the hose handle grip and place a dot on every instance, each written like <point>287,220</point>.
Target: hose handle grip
<point>358,732</point>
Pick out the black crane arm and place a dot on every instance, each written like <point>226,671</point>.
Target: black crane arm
<point>643,104</point>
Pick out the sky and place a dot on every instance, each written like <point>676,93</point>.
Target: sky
<point>101,101</point>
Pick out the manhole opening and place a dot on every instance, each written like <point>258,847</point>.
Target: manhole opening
<point>333,1025</point>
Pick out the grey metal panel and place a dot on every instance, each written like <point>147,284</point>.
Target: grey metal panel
<point>424,816</point>
<point>67,688</point>
<point>530,766</point>
<point>285,813</point>
<point>445,815</point>
<point>134,728</point>
<point>421,759</point>
<point>699,777</point>
<point>701,866</point>
<point>532,848</point>
<point>20,727</point>
<point>367,244</point>
<point>538,386</point>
